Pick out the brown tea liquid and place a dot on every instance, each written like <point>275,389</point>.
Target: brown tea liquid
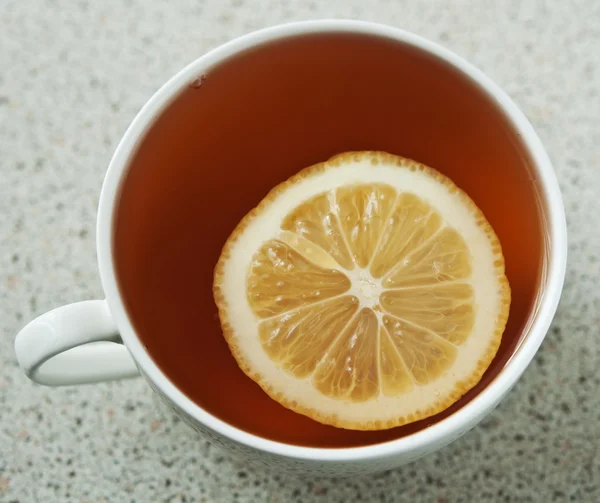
<point>251,123</point>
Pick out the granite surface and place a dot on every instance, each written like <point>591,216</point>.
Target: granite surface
<point>72,76</point>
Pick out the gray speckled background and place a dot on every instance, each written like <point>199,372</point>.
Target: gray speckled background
<point>72,76</point>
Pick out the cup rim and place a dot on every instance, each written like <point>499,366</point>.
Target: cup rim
<point>439,433</point>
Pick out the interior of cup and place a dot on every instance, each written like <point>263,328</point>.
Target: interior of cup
<point>243,126</point>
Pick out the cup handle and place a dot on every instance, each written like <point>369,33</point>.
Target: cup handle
<point>74,344</point>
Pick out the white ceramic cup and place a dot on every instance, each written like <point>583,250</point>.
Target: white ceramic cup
<point>95,340</point>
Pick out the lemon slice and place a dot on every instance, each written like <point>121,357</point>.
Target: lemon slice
<point>365,292</point>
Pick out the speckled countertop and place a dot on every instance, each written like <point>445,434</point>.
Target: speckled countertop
<point>72,76</point>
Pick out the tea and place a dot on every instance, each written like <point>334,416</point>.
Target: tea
<point>253,121</point>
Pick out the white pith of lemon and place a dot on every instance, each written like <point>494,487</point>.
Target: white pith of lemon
<point>365,292</point>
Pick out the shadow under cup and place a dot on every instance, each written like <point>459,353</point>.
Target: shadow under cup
<point>251,122</point>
